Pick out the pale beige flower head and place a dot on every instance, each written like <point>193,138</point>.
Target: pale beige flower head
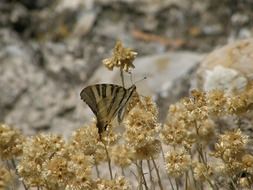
<point>149,151</point>
<point>122,155</point>
<point>177,163</point>
<point>206,131</point>
<point>237,104</point>
<point>55,172</point>
<point>142,125</point>
<point>184,120</point>
<point>68,169</point>
<point>216,102</point>
<point>85,139</point>
<point>119,183</point>
<point>142,129</point>
<point>174,133</point>
<point>11,142</point>
<point>231,145</point>
<point>6,177</point>
<point>247,161</point>
<point>110,137</point>
<point>36,151</point>
<point>245,183</point>
<point>202,172</point>
<point>122,57</point>
<point>100,153</point>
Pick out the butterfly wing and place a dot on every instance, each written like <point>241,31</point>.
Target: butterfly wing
<point>105,100</point>
<point>123,109</point>
<point>89,96</point>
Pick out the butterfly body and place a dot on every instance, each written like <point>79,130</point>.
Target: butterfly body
<point>106,101</point>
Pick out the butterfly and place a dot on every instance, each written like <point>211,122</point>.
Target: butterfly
<point>106,101</point>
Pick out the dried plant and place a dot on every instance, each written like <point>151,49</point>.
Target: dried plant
<point>191,150</point>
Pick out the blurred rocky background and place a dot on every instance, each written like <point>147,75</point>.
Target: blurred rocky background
<point>51,49</point>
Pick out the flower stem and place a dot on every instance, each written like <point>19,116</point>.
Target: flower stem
<point>109,161</point>
<point>150,175</point>
<point>122,171</point>
<point>177,185</point>
<point>144,180</point>
<point>171,184</point>
<point>157,173</point>
<point>186,180</point>
<point>16,171</point>
<point>97,170</point>
<point>139,177</point>
<point>122,78</point>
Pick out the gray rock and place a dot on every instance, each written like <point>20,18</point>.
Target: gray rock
<point>37,97</point>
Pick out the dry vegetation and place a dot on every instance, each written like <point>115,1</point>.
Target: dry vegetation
<point>199,153</point>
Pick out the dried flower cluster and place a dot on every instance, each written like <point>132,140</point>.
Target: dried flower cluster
<point>10,142</point>
<point>177,163</point>
<point>202,172</point>
<point>142,129</point>
<point>122,58</point>
<point>119,183</point>
<point>36,151</point>
<point>5,177</point>
<point>122,155</point>
<point>191,126</point>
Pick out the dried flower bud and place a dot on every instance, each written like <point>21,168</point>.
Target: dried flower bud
<point>122,58</point>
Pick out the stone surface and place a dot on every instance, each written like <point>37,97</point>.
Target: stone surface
<point>40,92</point>
<point>229,68</point>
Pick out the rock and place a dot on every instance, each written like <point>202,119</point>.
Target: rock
<point>149,6</point>
<point>74,5</point>
<point>238,19</point>
<point>60,63</point>
<point>33,98</point>
<point>13,82</point>
<point>228,68</point>
<point>37,4</point>
<point>84,23</point>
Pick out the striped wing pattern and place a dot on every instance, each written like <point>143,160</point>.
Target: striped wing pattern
<point>105,100</point>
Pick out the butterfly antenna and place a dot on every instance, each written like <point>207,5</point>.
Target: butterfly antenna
<point>131,78</point>
<point>144,78</point>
